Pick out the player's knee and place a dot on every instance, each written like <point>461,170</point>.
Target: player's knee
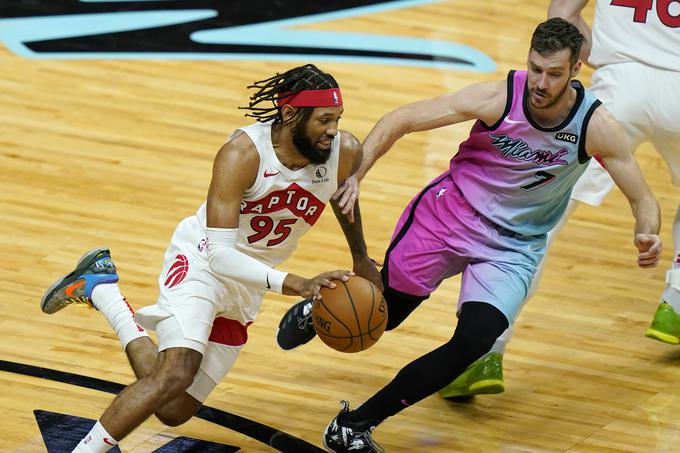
<point>173,417</point>
<point>479,325</point>
<point>472,347</point>
<point>176,373</point>
<point>170,386</point>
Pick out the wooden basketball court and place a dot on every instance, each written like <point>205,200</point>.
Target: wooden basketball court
<point>114,152</point>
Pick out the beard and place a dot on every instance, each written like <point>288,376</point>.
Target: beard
<point>306,146</point>
<point>554,99</point>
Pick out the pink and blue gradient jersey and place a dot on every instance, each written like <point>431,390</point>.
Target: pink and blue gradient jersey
<point>518,174</point>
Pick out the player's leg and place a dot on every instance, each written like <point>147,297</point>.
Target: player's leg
<point>479,324</point>
<point>174,373</point>
<point>509,277</point>
<point>182,317</point>
<point>220,355</point>
<point>182,344</point>
<point>665,325</point>
<point>485,375</point>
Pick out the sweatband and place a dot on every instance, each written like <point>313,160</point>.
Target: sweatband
<point>312,98</point>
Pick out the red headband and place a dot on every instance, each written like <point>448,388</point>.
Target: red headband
<point>312,98</point>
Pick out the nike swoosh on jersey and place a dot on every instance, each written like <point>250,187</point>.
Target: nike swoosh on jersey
<point>267,175</point>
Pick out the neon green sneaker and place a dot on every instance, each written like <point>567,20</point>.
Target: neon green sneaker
<point>485,376</point>
<point>665,325</point>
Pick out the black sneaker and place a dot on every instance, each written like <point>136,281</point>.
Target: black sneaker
<point>341,437</point>
<point>296,327</point>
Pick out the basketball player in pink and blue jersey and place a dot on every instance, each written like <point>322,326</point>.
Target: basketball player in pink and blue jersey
<point>488,215</point>
<point>638,81</point>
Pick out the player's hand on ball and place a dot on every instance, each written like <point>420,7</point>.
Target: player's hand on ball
<point>649,246</point>
<point>311,287</point>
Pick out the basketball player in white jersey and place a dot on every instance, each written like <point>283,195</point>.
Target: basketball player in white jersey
<point>635,48</point>
<point>270,183</point>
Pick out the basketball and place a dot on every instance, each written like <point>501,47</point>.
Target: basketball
<point>350,317</point>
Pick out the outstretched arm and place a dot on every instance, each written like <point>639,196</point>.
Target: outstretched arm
<point>606,137</point>
<point>484,101</point>
<point>570,10</point>
<point>350,159</point>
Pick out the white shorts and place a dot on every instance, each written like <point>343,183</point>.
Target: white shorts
<point>217,358</point>
<point>198,309</point>
<point>646,101</point>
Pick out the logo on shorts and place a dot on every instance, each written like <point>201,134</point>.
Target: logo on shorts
<point>566,137</point>
<point>203,244</point>
<point>177,272</point>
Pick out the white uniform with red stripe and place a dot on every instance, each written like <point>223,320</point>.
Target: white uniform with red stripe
<point>636,49</point>
<point>205,311</point>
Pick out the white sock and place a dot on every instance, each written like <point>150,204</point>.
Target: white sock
<point>502,341</point>
<point>96,441</point>
<point>108,299</point>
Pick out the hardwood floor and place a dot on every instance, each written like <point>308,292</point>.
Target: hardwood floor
<point>114,152</point>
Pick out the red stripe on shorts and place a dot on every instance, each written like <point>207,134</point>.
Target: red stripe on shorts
<point>229,332</point>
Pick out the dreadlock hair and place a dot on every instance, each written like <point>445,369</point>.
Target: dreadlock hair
<point>307,77</point>
<point>556,34</point>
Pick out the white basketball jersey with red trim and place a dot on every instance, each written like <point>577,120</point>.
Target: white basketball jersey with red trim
<point>646,31</point>
<point>283,203</point>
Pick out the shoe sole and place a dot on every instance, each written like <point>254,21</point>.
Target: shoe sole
<point>661,336</point>
<point>82,264</point>
<point>323,441</point>
<point>484,387</point>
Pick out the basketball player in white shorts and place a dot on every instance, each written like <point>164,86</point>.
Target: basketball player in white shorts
<point>636,51</point>
<point>271,182</point>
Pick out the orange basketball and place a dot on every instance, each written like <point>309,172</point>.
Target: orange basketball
<point>350,317</point>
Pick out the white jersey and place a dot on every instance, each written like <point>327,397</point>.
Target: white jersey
<point>626,30</point>
<point>282,204</point>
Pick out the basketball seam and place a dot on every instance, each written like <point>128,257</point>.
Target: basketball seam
<point>341,323</point>
<point>354,336</point>
<point>356,316</point>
